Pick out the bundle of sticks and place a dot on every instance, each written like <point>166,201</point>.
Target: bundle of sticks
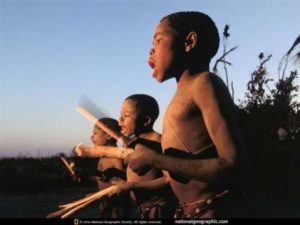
<point>70,208</point>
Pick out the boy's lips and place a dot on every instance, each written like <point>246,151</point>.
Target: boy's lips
<point>151,64</point>
<point>123,129</point>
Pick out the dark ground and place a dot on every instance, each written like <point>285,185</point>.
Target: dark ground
<point>33,188</point>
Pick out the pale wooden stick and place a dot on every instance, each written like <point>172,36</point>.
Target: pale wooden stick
<point>68,165</point>
<point>116,135</point>
<point>75,209</point>
<point>98,123</point>
<point>58,213</point>
<point>66,211</point>
<point>70,208</point>
<point>96,195</point>
<point>80,201</point>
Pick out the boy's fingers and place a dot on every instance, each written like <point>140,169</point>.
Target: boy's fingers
<point>126,160</point>
<point>78,150</point>
<point>116,182</point>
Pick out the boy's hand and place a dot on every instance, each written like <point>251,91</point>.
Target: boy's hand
<point>122,186</point>
<point>140,161</point>
<point>123,141</point>
<point>82,150</point>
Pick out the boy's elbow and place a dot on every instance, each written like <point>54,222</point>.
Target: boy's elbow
<point>225,170</point>
<point>227,166</point>
<point>228,157</point>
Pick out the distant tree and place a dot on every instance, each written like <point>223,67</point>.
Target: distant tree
<point>223,60</point>
<point>267,106</point>
<point>286,108</point>
<point>256,108</point>
<point>286,91</point>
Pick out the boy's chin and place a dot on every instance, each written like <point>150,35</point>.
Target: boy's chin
<point>159,80</point>
<point>160,77</point>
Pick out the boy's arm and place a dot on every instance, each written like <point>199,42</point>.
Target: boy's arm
<point>217,109</point>
<point>103,151</point>
<point>134,185</point>
<point>149,185</point>
<point>225,138</point>
<point>206,170</point>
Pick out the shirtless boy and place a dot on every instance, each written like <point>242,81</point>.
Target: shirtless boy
<point>200,139</point>
<point>149,190</point>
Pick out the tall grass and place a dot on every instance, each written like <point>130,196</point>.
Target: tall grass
<point>33,174</point>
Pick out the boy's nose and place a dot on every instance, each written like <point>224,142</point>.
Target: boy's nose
<point>151,51</point>
<point>120,120</point>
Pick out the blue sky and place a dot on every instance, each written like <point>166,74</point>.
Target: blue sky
<point>53,52</point>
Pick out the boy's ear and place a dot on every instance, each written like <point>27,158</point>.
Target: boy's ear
<point>191,41</point>
<point>148,121</point>
<point>108,137</point>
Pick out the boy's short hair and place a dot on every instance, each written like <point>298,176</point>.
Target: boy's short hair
<point>113,125</point>
<point>203,25</point>
<point>146,104</point>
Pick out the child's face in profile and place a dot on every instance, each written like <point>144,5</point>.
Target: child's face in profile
<point>129,118</point>
<point>164,58</point>
<point>99,137</point>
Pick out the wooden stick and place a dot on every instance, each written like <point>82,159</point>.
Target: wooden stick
<point>94,196</point>
<point>114,134</point>
<point>98,123</point>
<point>75,209</point>
<point>68,166</point>
<point>80,201</point>
<point>64,212</point>
<point>70,208</point>
<point>57,213</point>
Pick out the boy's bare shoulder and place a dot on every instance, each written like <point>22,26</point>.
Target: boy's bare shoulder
<point>208,80</point>
<point>209,88</point>
<point>152,136</point>
<point>202,86</point>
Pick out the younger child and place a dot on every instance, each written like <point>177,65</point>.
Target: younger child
<point>150,190</point>
<point>109,170</point>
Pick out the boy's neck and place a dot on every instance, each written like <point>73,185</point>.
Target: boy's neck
<point>187,75</point>
<point>146,130</point>
<point>192,69</point>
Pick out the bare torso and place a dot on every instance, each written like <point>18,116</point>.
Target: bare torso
<point>105,164</point>
<point>142,196</point>
<point>185,130</point>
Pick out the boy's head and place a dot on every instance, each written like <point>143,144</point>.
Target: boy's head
<point>101,138</point>
<point>200,23</point>
<point>183,39</point>
<point>138,114</point>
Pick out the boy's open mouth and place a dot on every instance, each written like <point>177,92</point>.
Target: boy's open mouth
<point>123,130</point>
<point>151,64</point>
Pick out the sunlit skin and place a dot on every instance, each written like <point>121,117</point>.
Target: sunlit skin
<point>132,122</point>
<point>116,135</point>
<point>129,117</point>
<point>100,138</point>
<point>193,120</point>
<point>163,58</point>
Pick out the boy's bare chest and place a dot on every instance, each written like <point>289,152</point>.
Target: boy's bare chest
<point>183,126</point>
<point>105,163</point>
<point>182,108</point>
